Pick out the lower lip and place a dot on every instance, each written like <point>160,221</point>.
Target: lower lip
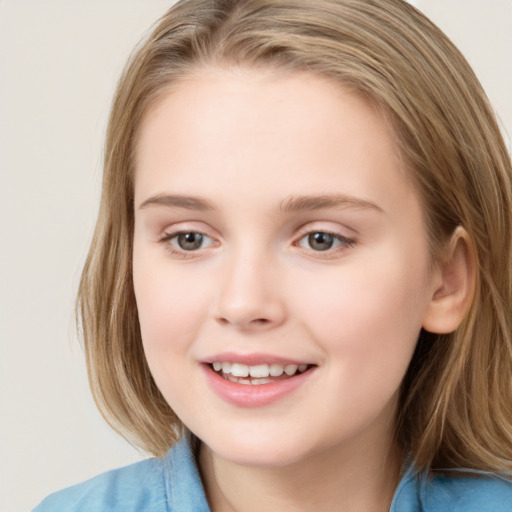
<point>247,395</point>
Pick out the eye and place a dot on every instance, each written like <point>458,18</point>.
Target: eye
<point>188,241</point>
<point>321,241</point>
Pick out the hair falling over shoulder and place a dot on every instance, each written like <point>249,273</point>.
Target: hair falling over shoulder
<point>455,399</point>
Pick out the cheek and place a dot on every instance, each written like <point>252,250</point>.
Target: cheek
<point>169,309</point>
<point>367,319</point>
<point>168,306</point>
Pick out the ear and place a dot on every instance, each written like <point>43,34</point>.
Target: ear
<point>453,285</point>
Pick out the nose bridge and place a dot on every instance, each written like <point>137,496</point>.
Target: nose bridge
<point>249,295</point>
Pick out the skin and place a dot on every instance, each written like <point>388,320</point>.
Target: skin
<point>247,142</point>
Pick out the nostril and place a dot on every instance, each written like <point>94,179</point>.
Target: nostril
<point>254,323</point>
<point>261,321</point>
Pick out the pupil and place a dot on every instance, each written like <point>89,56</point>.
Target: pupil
<point>320,241</point>
<point>190,241</point>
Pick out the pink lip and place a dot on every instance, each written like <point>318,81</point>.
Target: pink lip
<point>246,395</point>
<point>250,359</point>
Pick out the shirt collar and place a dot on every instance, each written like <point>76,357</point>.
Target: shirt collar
<point>183,483</point>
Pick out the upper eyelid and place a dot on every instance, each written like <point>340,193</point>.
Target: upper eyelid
<point>343,238</point>
<point>187,227</point>
<point>307,229</point>
<point>172,233</point>
<point>166,236</point>
<point>328,231</point>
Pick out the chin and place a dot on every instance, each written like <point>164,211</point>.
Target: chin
<point>253,450</point>
<point>259,458</point>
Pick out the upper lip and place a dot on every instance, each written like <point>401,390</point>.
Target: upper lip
<point>251,359</point>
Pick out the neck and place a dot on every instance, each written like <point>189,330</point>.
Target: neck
<point>360,478</point>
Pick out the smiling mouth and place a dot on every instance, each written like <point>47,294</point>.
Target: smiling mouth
<point>258,374</point>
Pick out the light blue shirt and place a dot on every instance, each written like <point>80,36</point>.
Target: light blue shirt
<point>173,484</point>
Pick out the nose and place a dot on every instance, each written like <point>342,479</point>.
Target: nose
<point>251,296</point>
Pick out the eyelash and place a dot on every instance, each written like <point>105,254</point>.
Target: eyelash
<point>344,243</point>
<point>167,238</point>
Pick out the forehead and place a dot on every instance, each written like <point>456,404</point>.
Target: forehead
<point>226,130</point>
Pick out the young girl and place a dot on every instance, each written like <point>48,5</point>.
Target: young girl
<point>298,296</point>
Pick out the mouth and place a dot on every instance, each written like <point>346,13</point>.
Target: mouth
<point>256,380</point>
<point>259,374</point>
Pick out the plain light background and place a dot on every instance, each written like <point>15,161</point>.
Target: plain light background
<point>59,62</point>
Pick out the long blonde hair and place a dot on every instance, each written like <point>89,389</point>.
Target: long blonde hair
<point>455,407</point>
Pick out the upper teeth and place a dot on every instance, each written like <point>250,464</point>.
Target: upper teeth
<point>259,370</point>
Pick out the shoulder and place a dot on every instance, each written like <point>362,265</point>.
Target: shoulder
<point>139,486</point>
<point>168,484</point>
<point>483,492</point>
<point>460,491</point>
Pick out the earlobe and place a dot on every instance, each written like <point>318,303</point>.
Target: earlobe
<point>453,285</point>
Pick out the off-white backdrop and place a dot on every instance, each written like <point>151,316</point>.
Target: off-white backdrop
<point>59,61</point>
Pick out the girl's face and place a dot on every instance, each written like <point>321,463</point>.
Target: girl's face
<point>276,233</point>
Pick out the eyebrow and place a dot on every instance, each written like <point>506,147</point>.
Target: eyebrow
<point>179,201</point>
<point>289,205</point>
<point>318,202</point>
